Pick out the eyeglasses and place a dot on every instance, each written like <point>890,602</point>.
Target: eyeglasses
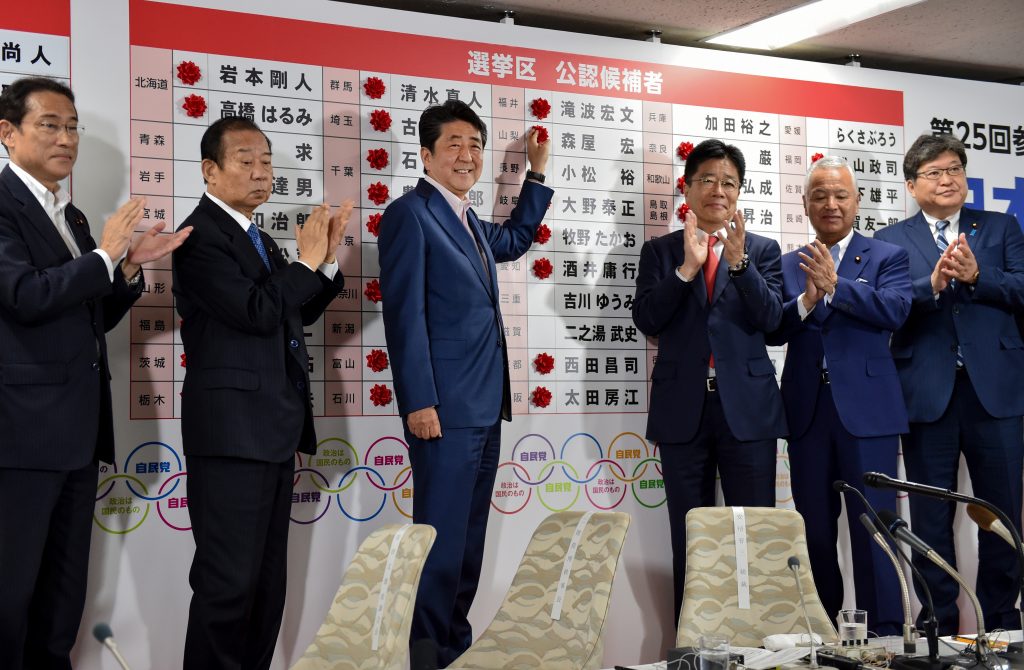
<point>728,185</point>
<point>48,128</point>
<point>933,175</point>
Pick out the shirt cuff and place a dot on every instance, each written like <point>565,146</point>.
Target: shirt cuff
<point>106,261</point>
<point>681,277</point>
<point>329,270</point>
<point>801,310</point>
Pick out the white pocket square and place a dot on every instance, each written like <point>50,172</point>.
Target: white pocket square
<point>862,280</point>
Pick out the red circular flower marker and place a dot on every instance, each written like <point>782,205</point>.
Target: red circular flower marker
<point>544,363</point>
<point>183,360</point>
<point>681,212</point>
<point>377,193</point>
<point>380,395</point>
<point>684,149</point>
<point>377,158</point>
<point>542,268</point>
<point>380,120</point>
<point>188,72</point>
<point>372,290</point>
<point>681,184</point>
<point>377,360</point>
<point>374,87</point>
<point>816,157</point>
<point>194,106</point>
<point>542,134</point>
<point>373,224</point>
<point>540,108</point>
<point>543,234</point>
<point>541,397</point>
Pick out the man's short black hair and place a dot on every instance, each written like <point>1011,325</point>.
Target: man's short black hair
<point>14,99</point>
<point>452,110</point>
<point>929,147</point>
<point>211,147</point>
<point>709,150</point>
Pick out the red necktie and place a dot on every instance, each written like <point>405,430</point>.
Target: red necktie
<point>710,273</point>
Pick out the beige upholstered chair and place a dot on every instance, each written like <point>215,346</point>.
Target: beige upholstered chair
<point>523,635</point>
<point>345,641</point>
<point>711,596</point>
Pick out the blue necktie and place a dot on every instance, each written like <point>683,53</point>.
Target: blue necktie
<point>942,243</point>
<point>254,235</point>
<point>940,240</point>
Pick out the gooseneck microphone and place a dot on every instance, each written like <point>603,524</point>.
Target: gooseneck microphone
<point>983,654</point>
<point>105,635</point>
<point>930,622</point>
<point>794,565</point>
<point>986,520</point>
<point>909,634</point>
<point>880,480</point>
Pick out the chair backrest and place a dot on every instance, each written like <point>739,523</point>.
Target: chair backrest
<point>712,593</point>
<point>345,640</point>
<point>523,634</point>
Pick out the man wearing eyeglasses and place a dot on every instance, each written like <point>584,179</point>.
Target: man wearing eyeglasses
<point>710,293</point>
<point>844,295</point>
<point>59,294</point>
<point>961,361</point>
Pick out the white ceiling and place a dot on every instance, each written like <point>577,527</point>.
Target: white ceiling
<point>970,39</point>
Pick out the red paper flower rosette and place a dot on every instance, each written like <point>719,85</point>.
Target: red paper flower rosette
<point>374,87</point>
<point>373,224</point>
<point>377,360</point>
<point>542,268</point>
<point>817,157</point>
<point>684,149</point>
<point>542,134</point>
<point>681,184</point>
<point>681,212</point>
<point>182,360</point>
<point>540,108</point>
<point>543,234</point>
<point>377,158</point>
<point>380,395</point>
<point>544,363</point>
<point>377,193</point>
<point>380,120</point>
<point>372,290</point>
<point>541,397</point>
<point>188,72</point>
<point>194,106</point>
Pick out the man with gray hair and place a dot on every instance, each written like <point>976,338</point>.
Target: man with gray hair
<point>843,296</point>
<point>961,359</point>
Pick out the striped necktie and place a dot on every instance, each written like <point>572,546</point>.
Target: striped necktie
<point>940,240</point>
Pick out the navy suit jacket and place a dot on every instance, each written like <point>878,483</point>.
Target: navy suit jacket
<point>871,300</point>
<point>55,411</point>
<point>980,318</point>
<point>246,390</point>
<point>689,329</point>
<point>442,316</point>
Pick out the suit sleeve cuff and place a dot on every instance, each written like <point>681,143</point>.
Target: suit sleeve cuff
<point>107,262</point>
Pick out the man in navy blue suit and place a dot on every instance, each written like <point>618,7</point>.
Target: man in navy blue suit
<point>961,360</point>
<point>844,295</point>
<point>710,293</point>
<point>60,293</point>
<point>245,401</point>
<point>447,345</point>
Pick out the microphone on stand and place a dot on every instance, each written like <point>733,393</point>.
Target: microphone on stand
<point>986,520</point>
<point>931,623</point>
<point>794,565</point>
<point>880,480</point>
<point>105,635</point>
<point>983,654</point>
<point>909,634</point>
